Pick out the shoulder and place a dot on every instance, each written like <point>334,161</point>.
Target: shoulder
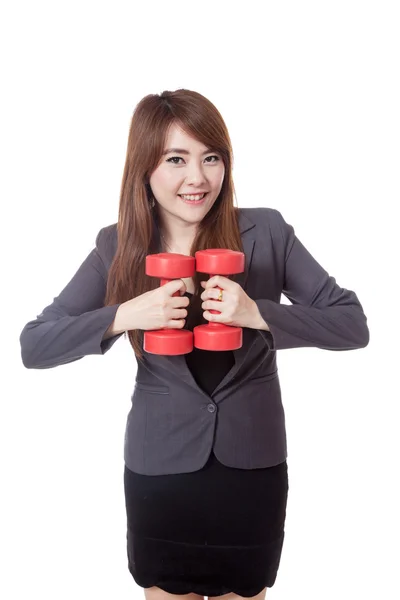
<point>107,234</point>
<point>266,223</point>
<point>262,218</point>
<point>106,243</point>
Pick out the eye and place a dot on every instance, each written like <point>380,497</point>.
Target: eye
<point>180,158</point>
<point>174,158</point>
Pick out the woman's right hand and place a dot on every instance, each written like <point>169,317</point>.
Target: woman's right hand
<point>157,308</point>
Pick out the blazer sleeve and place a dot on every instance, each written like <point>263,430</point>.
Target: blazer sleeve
<point>322,314</point>
<point>73,325</point>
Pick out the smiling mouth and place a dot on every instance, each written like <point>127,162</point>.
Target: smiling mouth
<point>196,200</point>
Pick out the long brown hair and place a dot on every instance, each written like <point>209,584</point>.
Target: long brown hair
<point>138,223</point>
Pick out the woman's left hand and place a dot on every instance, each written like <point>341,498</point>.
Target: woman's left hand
<point>236,307</point>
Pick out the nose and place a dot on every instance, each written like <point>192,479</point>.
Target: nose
<point>195,175</point>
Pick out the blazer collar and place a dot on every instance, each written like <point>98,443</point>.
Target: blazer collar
<point>244,222</point>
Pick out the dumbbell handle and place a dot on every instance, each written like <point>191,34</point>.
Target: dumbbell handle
<point>169,267</point>
<point>215,335</point>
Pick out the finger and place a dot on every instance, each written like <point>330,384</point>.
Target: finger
<point>212,293</point>
<point>212,305</point>
<point>176,323</point>
<point>220,281</point>
<point>211,316</point>
<point>179,313</point>
<point>179,301</point>
<point>174,286</point>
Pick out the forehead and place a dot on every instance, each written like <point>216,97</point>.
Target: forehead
<point>177,138</point>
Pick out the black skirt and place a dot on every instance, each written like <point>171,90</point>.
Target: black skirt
<point>213,531</point>
<point>210,532</point>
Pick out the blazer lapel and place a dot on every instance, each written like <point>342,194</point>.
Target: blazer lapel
<point>178,364</point>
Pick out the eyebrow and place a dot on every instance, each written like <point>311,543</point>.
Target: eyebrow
<point>183,151</point>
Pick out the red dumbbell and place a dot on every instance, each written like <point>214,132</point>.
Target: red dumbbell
<point>218,336</point>
<point>168,266</point>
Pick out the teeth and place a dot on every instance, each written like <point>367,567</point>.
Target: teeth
<point>193,197</point>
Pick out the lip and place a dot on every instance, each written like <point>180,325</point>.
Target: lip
<point>192,193</point>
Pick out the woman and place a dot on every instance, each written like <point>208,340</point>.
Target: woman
<point>206,479</point>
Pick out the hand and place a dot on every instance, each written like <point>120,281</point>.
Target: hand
<point>157,308</point>
<point>236,307</point>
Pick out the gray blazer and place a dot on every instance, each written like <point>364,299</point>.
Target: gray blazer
<point>172,424</point>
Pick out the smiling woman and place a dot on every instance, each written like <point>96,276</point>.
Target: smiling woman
<point>206,478</point>
<point>180,540</point>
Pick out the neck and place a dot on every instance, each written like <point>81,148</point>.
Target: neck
<point>178,246</point>
<point>178,239</point>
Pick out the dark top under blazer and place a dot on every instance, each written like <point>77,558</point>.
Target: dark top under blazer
<point>173,424</point>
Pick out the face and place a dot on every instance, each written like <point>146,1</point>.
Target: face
<point>191,169</point>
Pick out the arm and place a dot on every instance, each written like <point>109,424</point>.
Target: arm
<point>322,314</point>
<point>73,325</point>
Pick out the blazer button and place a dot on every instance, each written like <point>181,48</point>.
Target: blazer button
<point>211,408</point>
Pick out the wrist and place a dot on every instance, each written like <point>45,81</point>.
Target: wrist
<point>258,321</point>
<point>124,317</point>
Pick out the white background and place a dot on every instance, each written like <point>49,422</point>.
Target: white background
<point>310,94</point>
